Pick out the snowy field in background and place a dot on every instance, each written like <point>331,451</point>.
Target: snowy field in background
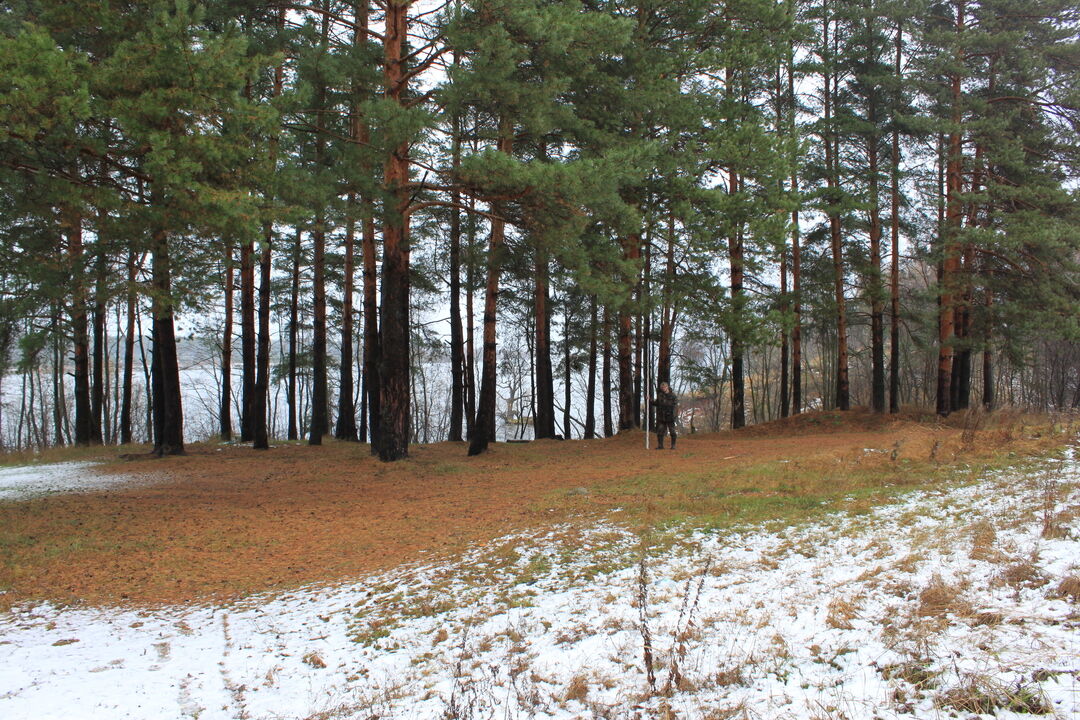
<point>946,604</point>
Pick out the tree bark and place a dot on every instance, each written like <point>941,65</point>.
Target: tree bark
<point>590,391</point>
<point>484,427</point>
<point>738,300</point>
<point>247,341</point>
<point>346,416</point>
<point>457,342</point>
<point>843,394</point>
<point>98,430</point>
<point>225,407</point>
<point>165,371</point>
<point>392,442</point>
<point>129,353</point>
<point>628,418</point>
<point>605,376</point>
<point>875,288</point>
<point>294,327</point>
<point>72,228</point>
<point>261,438</point>
<point>544,422</point>
<point>950,255</point>
<point>894,265</point>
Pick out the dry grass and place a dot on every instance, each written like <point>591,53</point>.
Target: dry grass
<point>841,613</point>
<point>222,522</point>
<point>983,538</point>
<point>1068,589</point>
<point>577,689</point>
<point>1022,574</point>
<point>984,695</point>
<point>941,598</point>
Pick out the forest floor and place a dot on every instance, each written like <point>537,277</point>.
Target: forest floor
<point>225,521</point>
<point>826,567</point>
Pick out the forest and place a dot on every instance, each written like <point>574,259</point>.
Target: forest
<point>405,221</point>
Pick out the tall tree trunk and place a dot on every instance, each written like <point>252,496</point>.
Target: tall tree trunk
<point>667,309</point>
<point>261,439</point>
<point>875,285</point>
<point>346,416</point>
<point>590,391</point>
<point>393,437</point>
<point>129,353</point>
<point>843,394</point>
<point>225,409</point>
<point>950,265</point>
<point>470,348</point>
<point>57,374</point>
<point>628,418</point>
<point>894,226</point>
<point>484,426</point>
<point>319,424</point>
<point>294,328</point>
<point>97,396</point>
<point>320,396</point>
<point>544,422</point>
<point>738,301</point>
<point>796,259</point>
<point>72,227</point>
<point>165,372</point>
<point>247,341</point>
<point>567,397</point>
<point>457,342</point>
<point>605,377</point>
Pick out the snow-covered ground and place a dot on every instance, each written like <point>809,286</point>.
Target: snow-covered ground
<point>954,603</point>
<point>25,481</point>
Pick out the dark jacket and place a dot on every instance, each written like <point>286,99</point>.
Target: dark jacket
<point>665,406</point>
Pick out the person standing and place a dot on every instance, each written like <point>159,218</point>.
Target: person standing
<point>665,402</point>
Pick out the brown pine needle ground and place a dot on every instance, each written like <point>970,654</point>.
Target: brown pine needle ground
<point>225,521</point>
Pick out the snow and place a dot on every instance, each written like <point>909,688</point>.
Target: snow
<point>943,604</point>
<point>26,481</point>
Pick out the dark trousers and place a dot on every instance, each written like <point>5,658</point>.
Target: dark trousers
<point>664,428</point>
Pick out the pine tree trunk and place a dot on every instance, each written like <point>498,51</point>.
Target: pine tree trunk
<point>294,327</point>
<point>605,377</point>
<point>470,347</point>
<point>72,226</point>
<point>843,394</point>
<point>261,435</point>
<point>567,397</point>
<point>796,249</point>
<point>225,409</point>
<point>590,391</point>
<point>484,426</point>
<point>628,418</point>
<point>457,342</point>
<point>247,341</point>
<point>735,257</point>
<point>392,442</point>
<point>785,348</point>
<point>57,375</point>
<point>875,287</point>
<point>950,265</point>
<point>319,425</point>
<point>894,264</point>
<point>165,370</point>
<point>346,416</point>
<point>667,310</point>
<point>544,424</point>
<point>97,396</point>
<point>129,354</point>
